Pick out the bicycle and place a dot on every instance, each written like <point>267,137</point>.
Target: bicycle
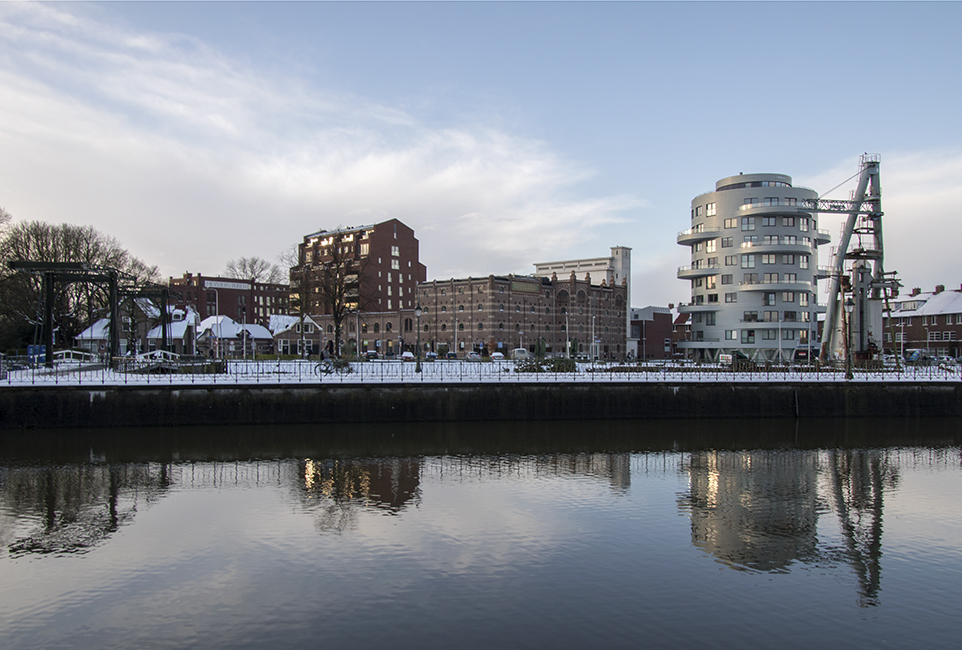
<point>328,366</point>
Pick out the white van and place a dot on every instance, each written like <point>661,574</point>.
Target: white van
<point>520,353</point>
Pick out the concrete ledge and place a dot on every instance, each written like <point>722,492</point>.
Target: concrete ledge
<point>134,406</point>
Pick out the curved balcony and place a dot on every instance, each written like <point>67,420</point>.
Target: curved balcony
<point>749,247</point>
<point>780,208</point>
<point>823,272</point>
<point>689,272</point>
<point>822,237</point>
<point>692,308</point>
<point>693,235</point>
<point>776,286</point>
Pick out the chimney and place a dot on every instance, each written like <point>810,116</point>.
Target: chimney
<point>939,288</point>
<point>916,291</point>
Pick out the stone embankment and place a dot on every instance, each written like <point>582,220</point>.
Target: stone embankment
<point>26,407</point>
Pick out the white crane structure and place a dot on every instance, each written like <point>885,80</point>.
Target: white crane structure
<point>859,286</point>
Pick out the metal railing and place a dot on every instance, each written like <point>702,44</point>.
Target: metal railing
<point>150,372</point>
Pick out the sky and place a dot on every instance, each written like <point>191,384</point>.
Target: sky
<point>504,133</point>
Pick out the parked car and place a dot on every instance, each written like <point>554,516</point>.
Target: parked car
<point>473,356</point>
<point>497,356</point>
<point>430,356</point>
<point>371,354</point>
<point>407,356</point>
<point>519,353</point>
<point>451,355</point>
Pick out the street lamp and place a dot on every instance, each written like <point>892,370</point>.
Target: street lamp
<point>417,314</point>
<point>849,308</point>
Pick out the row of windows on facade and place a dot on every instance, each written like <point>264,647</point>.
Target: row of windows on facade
<point>710,210</point>
<point>748,261</point>
<point>768,298</point>
<point>929,320</point>
<point>948,335</point>
<point>517,309</point>
<point>748,336</point>
<point>711,282</point>
<point>563,295</point>
<point>750,241</point>
<point>709,319</point>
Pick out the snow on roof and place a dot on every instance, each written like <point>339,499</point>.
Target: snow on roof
<point>932,304</point>
<point>280,323</point>
<point>227,328</point>
<point>98,331</point>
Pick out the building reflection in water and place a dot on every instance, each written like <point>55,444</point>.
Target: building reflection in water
<point>336,489</point>
<point>759,510</point>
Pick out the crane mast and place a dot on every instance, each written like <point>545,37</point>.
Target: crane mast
<point>858,269</point>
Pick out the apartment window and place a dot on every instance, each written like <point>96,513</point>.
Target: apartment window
<point>788,296</point>
<point>748,336</point>
<point>711,245</point>
<point>699,211</point>
<point>750,278</point>
<point>768,299</point>
<point>788,259</point>
<point>790,277</point>
<point>726,278</point>
<point>750,202</point>
<point>712,298</point>
<point>769,335</point>
<point>770,259</point>
<point>803,336</point>
<point>710,282</point>
<point>731,260</point>
<point>770,278</point>
<point>770,200</point>
<point>712,262</point>
<point>395,251</point>
<point>726,242</point>
<point>699,247</point>
<point>788,335</point>
<point>803,224</point>
<point>748,223</point>
<point>710,316</point>
<point>750,240</point>
<point>803,299</point>
<point>731,223</point>
<point>769,221</point>
<point>789,239</point>
<point>748,261</point>
<point>770,316</point>
<point>396,264</point>
<point>697,282</point>
<point>788,222</point>
<point>731,297</point>
<point>770,240</point>
<point>750,316</point>
<point>803,261</point>
<point>791,316</point>
<point>730,335</point>
<point>699,300</point>
<point>365,249</point>
<point>710,210</point>
<point>697,317</point>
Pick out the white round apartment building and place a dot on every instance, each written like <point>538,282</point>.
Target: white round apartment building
<point>753,269</point>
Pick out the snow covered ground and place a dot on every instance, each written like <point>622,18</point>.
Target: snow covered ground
<point>447,372</point>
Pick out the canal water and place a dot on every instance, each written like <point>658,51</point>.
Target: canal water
<point>725,534</point>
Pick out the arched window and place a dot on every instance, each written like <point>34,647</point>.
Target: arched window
<point>408,325</point>
<point>547,328</point>
<point>500,307</point>
<point>460,307</point>
<point>444,327</point>
<point>547,310</point>
<point>443,309</point>
<point>481,325</point>
<point>480,307</point>
<point>364,328</point>
<point>517,309</point>
<point>532,309</point>
<point>582,296</point>
<point>500,326</point>
<point>460,327</point>
<point>387,326</point>
<point>377,327</point>
<point>330,329</point>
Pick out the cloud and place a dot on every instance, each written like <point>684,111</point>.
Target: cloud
<point>191,158</point>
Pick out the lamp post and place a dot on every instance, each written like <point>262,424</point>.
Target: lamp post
<point>849,308</point>
<point>417,314</point>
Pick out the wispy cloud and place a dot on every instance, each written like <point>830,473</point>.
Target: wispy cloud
<point>192,158</point>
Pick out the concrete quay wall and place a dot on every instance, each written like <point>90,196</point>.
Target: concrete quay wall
<point>137,406</point>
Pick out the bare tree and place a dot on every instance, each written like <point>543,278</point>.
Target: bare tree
<point>328,276</point>
<point>77,304</point>
<point>255,269</point>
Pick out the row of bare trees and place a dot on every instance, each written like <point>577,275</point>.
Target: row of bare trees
<point>78,304</point>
